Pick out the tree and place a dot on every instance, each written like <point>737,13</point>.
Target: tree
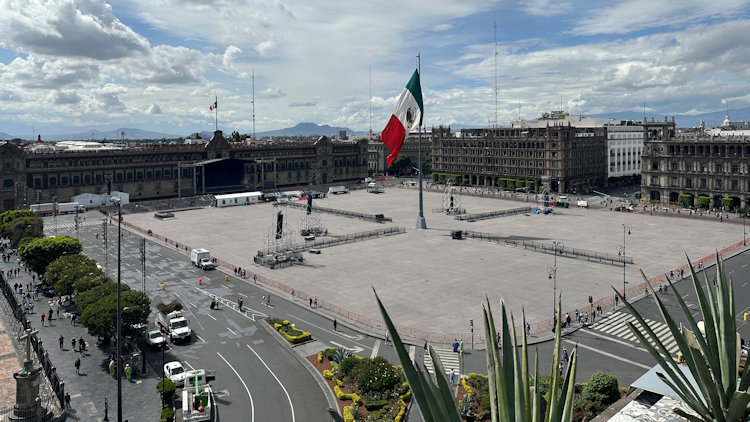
<point>100,318</point>
<point>712,358</point>
<point>235,137</point>
<point>109,287</point>
<point>602,388</point>
<point>9,217</point>
<point>88,282</point>
<point>427,164</point>
<point>402,163</point>
<point>39,253</point>
<point>66,270</point>
<point>27,227</point>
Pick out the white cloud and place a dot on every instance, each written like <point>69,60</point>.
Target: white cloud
<point>68,28</point>
<point>154,109</point>
<point>272,92</point>
<point>635,15</point>
<point>66,97</point>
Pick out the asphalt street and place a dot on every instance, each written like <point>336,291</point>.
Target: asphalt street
<point>257,378</point>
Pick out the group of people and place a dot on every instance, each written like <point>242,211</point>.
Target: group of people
<point>240,272</point>
<point>314,302</point>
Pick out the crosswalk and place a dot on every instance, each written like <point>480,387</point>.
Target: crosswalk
<point>615,326</point>
<point>448,358</point>
<point>72,225</point>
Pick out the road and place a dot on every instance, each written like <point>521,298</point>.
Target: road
<point>257,378</point>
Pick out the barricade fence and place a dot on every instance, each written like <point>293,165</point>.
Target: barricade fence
<point>493,214</point>
<point>333,240</point>
<point>378,218</point>
<point>550,248</point>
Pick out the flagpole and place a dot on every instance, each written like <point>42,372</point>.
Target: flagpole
<point>421,223</point>
<point>216,110</point>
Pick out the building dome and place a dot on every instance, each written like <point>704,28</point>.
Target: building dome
<point>727,122</point>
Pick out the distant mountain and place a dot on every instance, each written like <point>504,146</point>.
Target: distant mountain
<point>4,135</point>
<point>130,133</point>
<point>308,129</point>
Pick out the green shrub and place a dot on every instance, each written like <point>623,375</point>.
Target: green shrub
<point>341,354</point>
<point>329,352</point>
<point>602,388</point>
<point>346,367</point>
<point>586,410</point>
<point>375,405</point>
<point>727,203</point>
<point>167,415</point>
<point>685,200</point>
<point>377,374</point>
<point>167,391</point>
<point>704,201</point>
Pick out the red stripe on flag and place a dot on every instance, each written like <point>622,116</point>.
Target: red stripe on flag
<point>393,137</point>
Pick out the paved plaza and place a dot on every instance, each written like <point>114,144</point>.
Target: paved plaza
<point>433,284</point>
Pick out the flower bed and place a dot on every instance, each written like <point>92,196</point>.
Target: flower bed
<point>367,389</point>
<point>289,331</point>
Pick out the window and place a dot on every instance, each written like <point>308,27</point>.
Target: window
<point>37,182</point>
<point>53,181</point>
<point>130,176</point>
<point>8,183</point>
<point>98,178</point>
<point>64,180</point>
<point>76,180</point>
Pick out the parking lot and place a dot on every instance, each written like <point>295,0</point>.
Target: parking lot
<point>432,283</point>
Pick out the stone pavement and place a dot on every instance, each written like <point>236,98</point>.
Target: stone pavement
<point>141,401</point>
<point>9,363</point>
<point>433,285</point>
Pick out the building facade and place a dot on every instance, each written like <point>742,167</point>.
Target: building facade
<point>699,164</point>
<point>571,159</point>
<point>377,152</point>
<point>151,172</point>
<point>624,149</point>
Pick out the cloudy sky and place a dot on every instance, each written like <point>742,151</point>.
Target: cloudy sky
<point>157,64</point>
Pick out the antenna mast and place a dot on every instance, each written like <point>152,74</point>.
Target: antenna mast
<point>496,89</point>
<point>253,101</point>
<point>370,70</point>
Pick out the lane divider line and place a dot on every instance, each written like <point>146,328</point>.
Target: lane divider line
<point>252,405</point>
<point>291,405</point>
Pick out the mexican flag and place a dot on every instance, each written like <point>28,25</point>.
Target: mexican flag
<point>213,107</point>
<point>406,118</point>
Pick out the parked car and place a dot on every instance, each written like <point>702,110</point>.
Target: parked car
<point>154,338</point>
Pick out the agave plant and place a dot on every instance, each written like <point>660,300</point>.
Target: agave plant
<point>712,358</point>
<point>340,354</point>
<point>508,374</point>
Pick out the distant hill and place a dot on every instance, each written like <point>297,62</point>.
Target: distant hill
<point>308,129</point>
<point>4,135</point>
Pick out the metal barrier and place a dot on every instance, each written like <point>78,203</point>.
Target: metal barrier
<point>493,214</point>
<point>550,249</point>
<point>333,240</point>
<point>378,218</point>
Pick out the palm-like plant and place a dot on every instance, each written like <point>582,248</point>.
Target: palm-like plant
<point>508,375</point>
<point>712,358</point>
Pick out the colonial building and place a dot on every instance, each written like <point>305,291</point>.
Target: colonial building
<point>150,172</point>
<point>570,158</point>
<point>713,165</point>
<point>377,152</point>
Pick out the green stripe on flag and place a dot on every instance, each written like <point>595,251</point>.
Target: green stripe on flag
<point>416,91</point>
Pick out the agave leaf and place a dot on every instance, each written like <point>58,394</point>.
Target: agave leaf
<point>444,388</point>
<point>525,367</point>
<point>536,406</point>
<point>492,358</point>
<point>554,388</point>
<point>738,408</point>
<point>430,399</point>
<point>569,387</point>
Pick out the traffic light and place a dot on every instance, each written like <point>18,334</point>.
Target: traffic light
<point>591,299</point>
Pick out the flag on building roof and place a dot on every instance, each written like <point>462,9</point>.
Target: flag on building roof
<point>406,118</point>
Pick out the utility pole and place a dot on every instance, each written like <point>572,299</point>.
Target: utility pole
<point>626,228</point>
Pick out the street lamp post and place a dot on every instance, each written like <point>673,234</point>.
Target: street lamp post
<point>552,274</point>
<point>626,228</point>
<point>117,201</point>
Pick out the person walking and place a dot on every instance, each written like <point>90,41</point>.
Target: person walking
<point>112,367</point>
<point>73,344</point>
<point>78,366</point>
<point>452,377</point>
<point>315,302</point>
<point>387,336</point>
<point>239,304</point>
<point>43,315</point>
<point>461,347</point>
<point>528,329</point>
<point>50,314</point>
<point>565,355</point>
<point>81,345</point>
<point>61,340</point>
<point>263,300</point>
<point>67,400</point>
<point>311,302</point>
<point>335,324</point>
<point>128,372</point>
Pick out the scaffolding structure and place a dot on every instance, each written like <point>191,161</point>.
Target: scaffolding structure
<point>451,199</point>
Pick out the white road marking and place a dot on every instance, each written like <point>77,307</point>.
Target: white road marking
<point>252,405</point>
<point>291,405</point>
<point>744,265</point>
<point>210,316</point>
<point>192,304</point>
<point>375,349</point>
<point>191,366</point>
<point>338,333</point>
<point>594,349</point>
<point>243,295</point>
<point>354,350</point>
<point>625,343</point>
<point>230,330</point>
<point>199,338</point>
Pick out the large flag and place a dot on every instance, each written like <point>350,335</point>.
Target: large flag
<point>406,118</point>
<point>213,107</point>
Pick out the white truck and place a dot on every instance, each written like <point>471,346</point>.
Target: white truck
<point>174,325</point>
<point>338,189</point>
<point>62,208</point>
<point>201,258</point>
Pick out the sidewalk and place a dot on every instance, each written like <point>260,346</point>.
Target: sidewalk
<point>89,389</point>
